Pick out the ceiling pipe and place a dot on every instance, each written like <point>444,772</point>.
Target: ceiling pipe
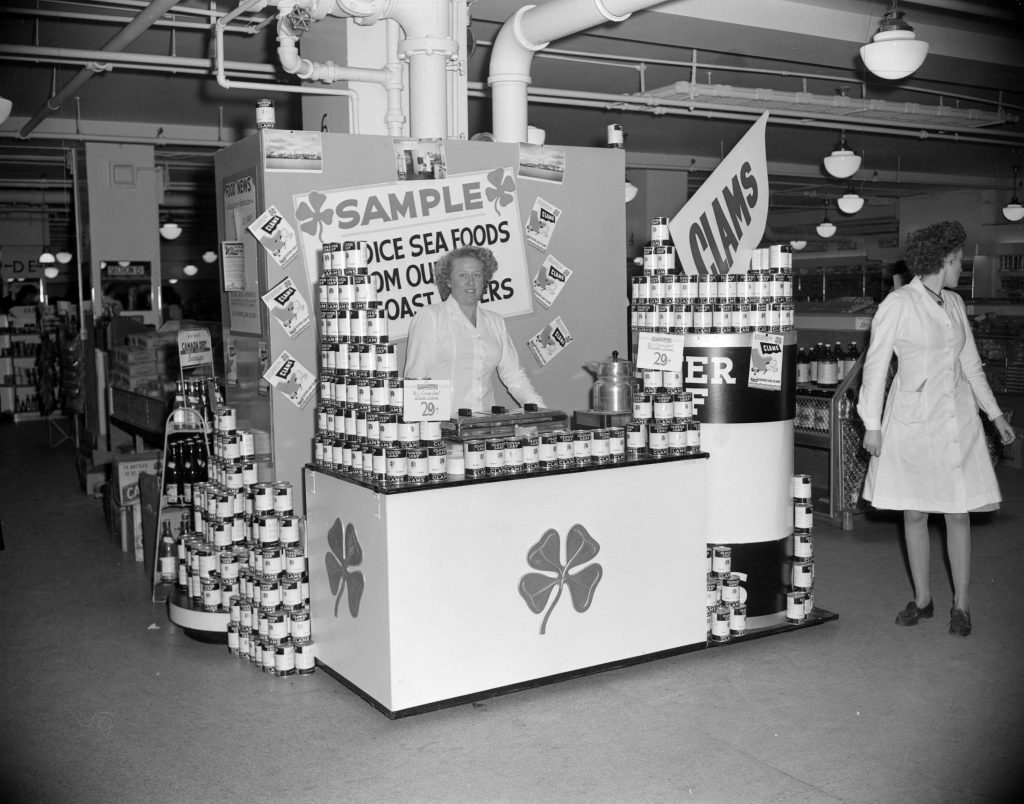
<point>132,31</point>
<point>222,79</point>
<point>533,28</point>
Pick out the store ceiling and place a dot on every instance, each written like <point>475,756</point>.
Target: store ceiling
<point>957,123</point>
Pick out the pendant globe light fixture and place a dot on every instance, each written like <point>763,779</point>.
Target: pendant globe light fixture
<point>170,230</point>
<point>826,228</point>
<point>850,203</point>
<point>842,162</point>
<point>1013,211</point>
<point>894,51</point>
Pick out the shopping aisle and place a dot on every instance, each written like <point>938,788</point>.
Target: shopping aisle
<point>105,701</point>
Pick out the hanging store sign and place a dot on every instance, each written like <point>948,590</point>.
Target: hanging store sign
<point>408,225</point>
<point>723,222</point>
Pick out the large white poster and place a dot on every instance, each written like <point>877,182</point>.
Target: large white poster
<point>408,225</point>
<point>724,220</point>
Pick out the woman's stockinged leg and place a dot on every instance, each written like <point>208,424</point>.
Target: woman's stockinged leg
<point>958,545</point>
<point>915,531</point>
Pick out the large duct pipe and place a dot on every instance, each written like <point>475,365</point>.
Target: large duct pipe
<point>531,29</point>
<point>132,31</point>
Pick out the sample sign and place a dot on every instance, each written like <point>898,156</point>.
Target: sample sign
<point>406,227</point>
<point>427,400</point>
<point>723,222</point>
<point>766,362</point>
<point>232,260</point>
<point>194,348</point>
<point>541,226</point>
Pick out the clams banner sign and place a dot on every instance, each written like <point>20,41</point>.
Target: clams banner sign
<point>407,225</point>
<point>724,220</point>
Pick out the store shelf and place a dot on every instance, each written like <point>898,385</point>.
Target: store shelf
<point>204,625</point>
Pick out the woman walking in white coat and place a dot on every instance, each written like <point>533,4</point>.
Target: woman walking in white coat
<point>929,453</point>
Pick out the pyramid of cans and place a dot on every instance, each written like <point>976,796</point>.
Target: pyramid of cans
<point>360,429</point>
<point>242,553</point>
<point>664,299</point>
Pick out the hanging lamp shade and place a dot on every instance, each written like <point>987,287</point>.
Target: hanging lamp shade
<point>209,257</point>
<point>631,191</point>
<point>170,230</point>
<point>826,228</point>
<point>47,258</point>
<point>894,51</point>
<point>850,203</point>
<point>63,257</point>
<point>1013,211</point>
<point>798,245</point>
<point>190,270</point>
<point>51,272</point>
<point>843,162</point>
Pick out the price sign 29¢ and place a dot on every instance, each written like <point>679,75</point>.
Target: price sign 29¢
<point>660,351</point>
<point>427,400</point>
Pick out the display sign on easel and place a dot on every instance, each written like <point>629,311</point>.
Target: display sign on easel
<point>427,400</point>
<point>194,348</point>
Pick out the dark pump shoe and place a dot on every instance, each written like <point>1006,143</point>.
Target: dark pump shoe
<point>959,622</point>
<point>912,613</point>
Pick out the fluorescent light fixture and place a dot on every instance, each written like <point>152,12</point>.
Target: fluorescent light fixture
<point>842,162</point>
<point>190,270</point>
<point>894,51</point>
<point>170,231</point>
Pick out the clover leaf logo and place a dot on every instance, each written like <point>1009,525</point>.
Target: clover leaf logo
<point>311,215</point>
<point>545,555</point>
<point>345,553</point>
<point>502,188</point>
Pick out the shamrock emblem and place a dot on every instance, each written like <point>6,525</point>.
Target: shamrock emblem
<point>545,555</point>
<point>345,554</point>
<point>310,214</point>
<point>502,187</point>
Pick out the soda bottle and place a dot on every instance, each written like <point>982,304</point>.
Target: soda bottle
<point>841,364</point>
<point>803,366</point>
<point>188,472</point>
<point>815,360</point>
<point>828,369</point>
<point>850,356</point>
<point>172,475</point>
<point>167,555</point>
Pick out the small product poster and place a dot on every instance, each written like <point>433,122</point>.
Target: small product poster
<point>232,260</point>
<point>194,348</point>
<point>231,363</point>
<point>286,304</point>
<point>420,159</point>
<point>550,280</point>
<point>766,362</point>
<point>541,225</point>
<point>263,355</point>
<point>547,344</point>
<point>276,235</point>
<point>660,351</point>
<point>542,162</point>
<point>292,379</point>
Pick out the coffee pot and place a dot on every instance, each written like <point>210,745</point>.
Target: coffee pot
<point>614,383</point>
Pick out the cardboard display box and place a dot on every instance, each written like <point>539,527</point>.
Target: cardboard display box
<point>127,468</point>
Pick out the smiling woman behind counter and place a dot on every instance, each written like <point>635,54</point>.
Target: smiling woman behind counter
<point>461,341</point>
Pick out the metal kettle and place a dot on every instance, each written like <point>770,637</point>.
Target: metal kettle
<point>614,382</point>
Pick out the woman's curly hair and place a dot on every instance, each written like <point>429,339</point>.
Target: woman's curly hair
<point>443,267</point>
<point>928,248</point>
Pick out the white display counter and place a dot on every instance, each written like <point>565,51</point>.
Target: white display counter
<point>439,594</point>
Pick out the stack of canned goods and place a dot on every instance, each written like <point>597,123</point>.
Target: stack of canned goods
<point>360,428</point>
<point>664,421</point>
<point>669,301</point>
<point>543,452</point>
<point>725,601</point>
<point>800,596</point>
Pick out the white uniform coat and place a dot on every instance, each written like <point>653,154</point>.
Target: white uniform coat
<point>934,456</point>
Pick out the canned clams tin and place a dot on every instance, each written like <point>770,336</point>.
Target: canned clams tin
<point>720,624</point>
<point>795,607</point>
<point>721,559</point>
<point>299,625</point>
<point>582,447</point>
<point>803,573</point>
<point>803,517</point>
<point>738,620</point>
<point>305,658</point>
<point>803,545</point>
<point>564,451</point>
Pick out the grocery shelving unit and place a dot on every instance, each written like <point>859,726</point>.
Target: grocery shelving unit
<point>19,349</point>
